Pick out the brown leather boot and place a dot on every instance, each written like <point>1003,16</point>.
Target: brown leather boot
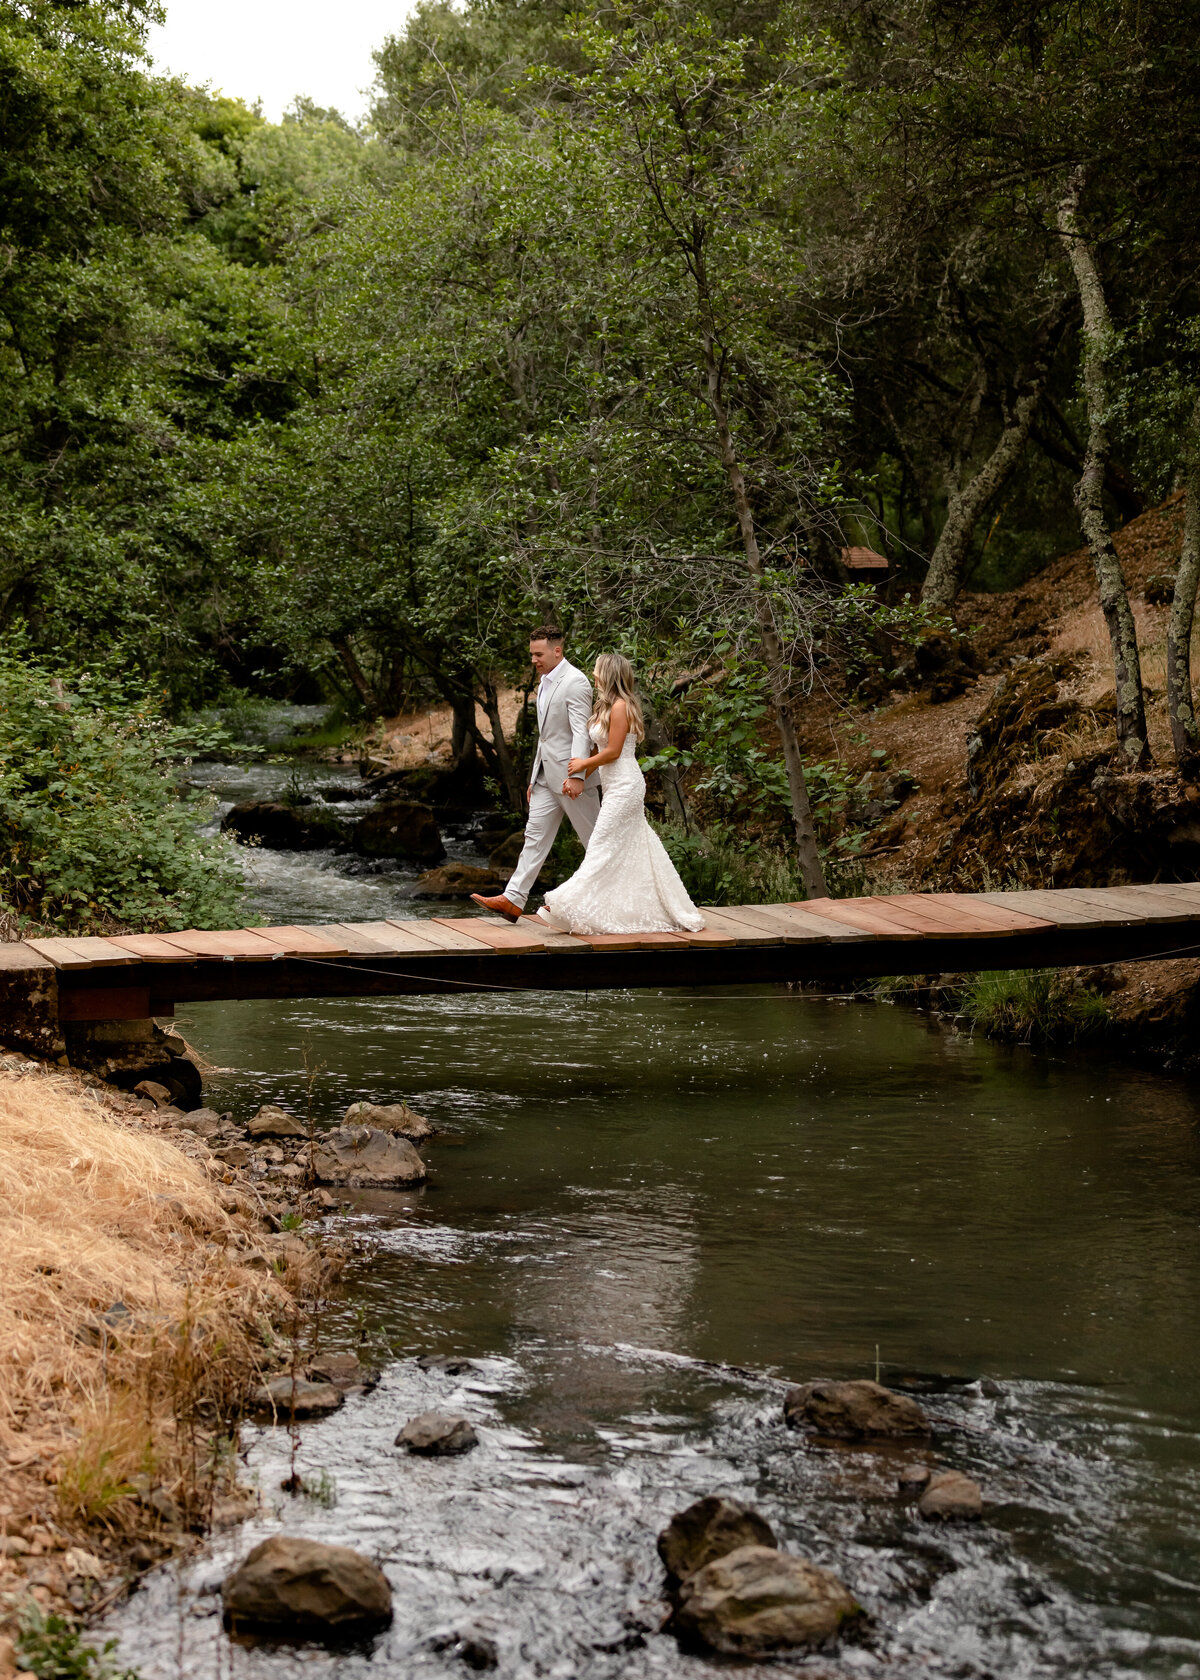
<point>498,906</point>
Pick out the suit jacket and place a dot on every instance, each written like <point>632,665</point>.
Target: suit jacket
<point>563,732</point>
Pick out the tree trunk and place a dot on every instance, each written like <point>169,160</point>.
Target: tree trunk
<point>656,739</point>
<point>967,502</point>
<point>462,737</point>
<point>1089,491</point>
<point>358,677</point>
<point>806,841</point>
<point>1184,731</point>
<point>512,783</point>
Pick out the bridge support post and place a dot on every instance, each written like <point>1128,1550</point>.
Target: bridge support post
<point>29,1003</point>
<point>124,1052</point>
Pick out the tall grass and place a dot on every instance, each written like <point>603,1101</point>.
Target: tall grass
<point>1033,1006</point>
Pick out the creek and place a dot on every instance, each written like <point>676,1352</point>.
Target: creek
<point>645,1214</point>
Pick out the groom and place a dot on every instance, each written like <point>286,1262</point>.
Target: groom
<point>564,705</point>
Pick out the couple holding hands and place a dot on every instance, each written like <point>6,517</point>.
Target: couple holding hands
<point>626,882</point>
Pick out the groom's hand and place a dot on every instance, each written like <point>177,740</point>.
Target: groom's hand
<point>573,787</point>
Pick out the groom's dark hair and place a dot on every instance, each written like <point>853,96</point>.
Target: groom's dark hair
<point>545,634</point>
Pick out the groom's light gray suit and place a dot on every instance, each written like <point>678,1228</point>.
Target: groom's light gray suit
<point>564,705</point>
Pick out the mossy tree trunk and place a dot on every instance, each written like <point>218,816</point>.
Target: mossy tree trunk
<point>1185,735</point>
<point>1132,743</point>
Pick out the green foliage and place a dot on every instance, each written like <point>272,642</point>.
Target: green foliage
<point>92,831</point>
<point>52,1648</point>
<point>1033,1006</point>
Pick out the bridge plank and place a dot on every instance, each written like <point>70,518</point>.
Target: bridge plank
<point>384,939</point>
<point>555,941</point>
<point>869,916</point>
<point>1153,906</point>
<point>442,938</point>
<point>1107,902</point>
<point>788,923</point>
<point>1054,906</point>
<point>233,945</point>
<point>499,934</point>
<point>302,942</point>
<point>717,937</point>
<point>633,941</point>
<point>956,921</point>
<point>150,947</point>
<point>739,932</point>
<point>87,951</point>
<point>1001,917</point>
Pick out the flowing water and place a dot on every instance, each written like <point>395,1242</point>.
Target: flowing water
<point>645,1213</point>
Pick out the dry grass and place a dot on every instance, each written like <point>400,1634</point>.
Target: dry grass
<point>130,1329</point>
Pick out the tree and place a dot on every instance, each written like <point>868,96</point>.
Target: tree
<point>690,147</point>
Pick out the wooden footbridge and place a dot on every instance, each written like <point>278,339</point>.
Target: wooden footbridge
<point>831,941</point>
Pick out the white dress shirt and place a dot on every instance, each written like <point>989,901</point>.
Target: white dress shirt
<point>544,687</point>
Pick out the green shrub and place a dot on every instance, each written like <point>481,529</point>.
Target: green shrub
<point>52,1648</point>
<point>1033,1006</point>
<point>93,833</point>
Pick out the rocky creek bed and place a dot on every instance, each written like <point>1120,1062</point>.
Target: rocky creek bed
<point>645,1220</point>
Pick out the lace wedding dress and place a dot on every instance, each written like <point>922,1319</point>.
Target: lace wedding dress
<point>626,883</point>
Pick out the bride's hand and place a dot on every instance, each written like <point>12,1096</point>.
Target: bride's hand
<point>576,767</point>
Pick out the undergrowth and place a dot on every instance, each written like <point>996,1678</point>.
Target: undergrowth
<point>1033,1006</point>
<point>52,1647</point>
<point>718,868</point>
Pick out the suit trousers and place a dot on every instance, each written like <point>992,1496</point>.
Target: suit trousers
<point>547,807</point>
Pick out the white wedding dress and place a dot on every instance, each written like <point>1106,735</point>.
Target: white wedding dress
<point>626,882</point>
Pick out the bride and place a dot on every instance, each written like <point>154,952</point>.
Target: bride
<point>626,882</point>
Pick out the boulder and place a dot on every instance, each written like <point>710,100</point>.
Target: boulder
<point>296,1397</point>
<point>304,1586</point>
<point>271,1121</point>
<point>285,828</point>
<point>437,1435</point>
<point>710,1529</point>
<point>158,1094</point>
<point>206,1122</point>
<point>503,857</point>
<point>951,1497</point>
<point>364,1158</point>
<point>853,1410</point>
<point>397,1118</point>
<point>757,1600</point>
<point>399,829</point>
<point>236,1154</point>
<point>459,880</point>
<point>343,1370</point>
<point>450,1364</point>
<point>914,1478</point>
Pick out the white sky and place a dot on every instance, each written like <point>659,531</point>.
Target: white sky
<point>274,49</point>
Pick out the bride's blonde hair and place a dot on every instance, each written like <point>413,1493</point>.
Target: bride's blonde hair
<point>615,681</point>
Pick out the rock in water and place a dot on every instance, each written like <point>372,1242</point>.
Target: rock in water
<point>292,1585</point>
<point>436,1435</point>
<point>951,1496</point>
<point>914,1478</point>
<point>343,1370</point>
<point>399,829</point>
<point>757,1600</point>
<point>286,1397</point>
<point>710,1529</point>
<point>285,828</point>
<point>852,1410</point>
<point>275,1122</point>
<point>459,880</point>
<point>389,1117</point>
<point>364,1158</point>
